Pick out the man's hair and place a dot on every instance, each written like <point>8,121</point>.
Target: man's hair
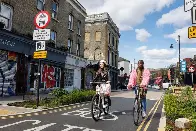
<point>141,61</point>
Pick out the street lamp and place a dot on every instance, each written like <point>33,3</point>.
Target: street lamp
<point>171,46</point>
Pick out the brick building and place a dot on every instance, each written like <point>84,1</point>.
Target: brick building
<point>101,42</point>
<point>16,45</point>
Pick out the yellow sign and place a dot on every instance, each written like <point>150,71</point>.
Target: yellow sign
<point>40,54</point>
<point>192,32</point>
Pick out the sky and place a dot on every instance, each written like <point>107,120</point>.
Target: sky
<point>148,28</point>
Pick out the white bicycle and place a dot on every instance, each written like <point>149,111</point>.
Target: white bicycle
<point>99,101</point>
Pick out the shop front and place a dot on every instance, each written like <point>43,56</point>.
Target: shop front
<point>17,66</point>
<point>74,72</point>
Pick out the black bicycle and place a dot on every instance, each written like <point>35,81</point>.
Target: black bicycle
<point>138,107</point>
<point>99,100</point>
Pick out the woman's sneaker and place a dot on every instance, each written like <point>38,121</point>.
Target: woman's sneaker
<point>143,114</point>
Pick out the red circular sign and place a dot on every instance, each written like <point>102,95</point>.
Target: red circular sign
<point>42,19</point>
<point>191,69</point>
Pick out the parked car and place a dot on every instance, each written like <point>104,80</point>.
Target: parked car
<point>166,85</point>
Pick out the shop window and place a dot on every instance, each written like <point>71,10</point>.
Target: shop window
<point>51,76</point>
<point>69,77</point>
<point>54,9</point>
<point>6,12</point>
<point>40,4</point>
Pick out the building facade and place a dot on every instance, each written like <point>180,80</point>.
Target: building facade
<point>64,64</point>
<point>125,64</point>
<point>101,42</point>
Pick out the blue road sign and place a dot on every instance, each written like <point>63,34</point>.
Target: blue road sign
<point>183,66</point>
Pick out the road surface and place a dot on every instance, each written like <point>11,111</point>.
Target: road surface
<point>79,119</point>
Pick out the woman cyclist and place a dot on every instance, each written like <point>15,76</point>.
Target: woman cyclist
<point>102,76</point>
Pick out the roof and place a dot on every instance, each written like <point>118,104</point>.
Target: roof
<point>122,59</point>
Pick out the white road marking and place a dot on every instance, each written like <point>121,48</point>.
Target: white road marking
<point>85,111</point>
<point>16,123</point>
<point>39,128</point>
<point>70,127</point>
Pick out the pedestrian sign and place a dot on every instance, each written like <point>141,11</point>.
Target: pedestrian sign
<point>40,54</point>
<point>192,32</point>
<point>183,66</point>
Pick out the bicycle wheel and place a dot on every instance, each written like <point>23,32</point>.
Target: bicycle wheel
<point>136,111</point>
<point>95,110</point>
<point>106,110</point>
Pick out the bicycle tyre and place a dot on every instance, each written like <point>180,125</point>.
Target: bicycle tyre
<point>106,110</point>
<point>96,99</point>
<point>136,111</point>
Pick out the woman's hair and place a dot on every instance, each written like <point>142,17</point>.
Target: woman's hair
<point>141,61</point>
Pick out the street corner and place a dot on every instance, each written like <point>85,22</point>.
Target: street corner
<point>9,114</point>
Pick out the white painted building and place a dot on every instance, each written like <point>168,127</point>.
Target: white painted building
<point>125,64</point>
<point>73,71</point>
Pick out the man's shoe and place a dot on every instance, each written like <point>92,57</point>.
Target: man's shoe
<point>143,114</point>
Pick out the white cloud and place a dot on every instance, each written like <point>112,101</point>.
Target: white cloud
<point>183,32</point>
<point>176,17</point>
<point>141,48</point>
<point>125,13</point>
<point>160,58</point>
<point>142,35</point>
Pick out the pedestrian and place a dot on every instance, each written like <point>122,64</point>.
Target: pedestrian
<point>140,78</point>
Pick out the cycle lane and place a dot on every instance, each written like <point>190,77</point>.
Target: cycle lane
<point>80,119</point>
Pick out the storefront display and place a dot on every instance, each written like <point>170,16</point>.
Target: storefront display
<point>8,66</point>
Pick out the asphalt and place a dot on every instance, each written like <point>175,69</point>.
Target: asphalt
<point>79,118</point>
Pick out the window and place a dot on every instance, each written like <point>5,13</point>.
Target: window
<point>70,24</point>
<point>6,16</point>
<point>98,36</point>
<point>57,76</point>
<point>113,40</point>
<point>40,4</point>
<point>78,49</point>
<point>69,77</point>
<point>70,43</point>
<point>54,10</point>
<point>116,44</point>
<point>53,36</point>
<point>108,56</point>
<point>116,61</point>
<point>79,27</point>
<point>109,39</point>
<point>87,36</point>
<point>112,59</point>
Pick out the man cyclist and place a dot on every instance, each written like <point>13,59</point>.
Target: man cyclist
<point>140,78</point>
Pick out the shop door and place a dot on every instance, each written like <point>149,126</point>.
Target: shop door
<point>22,72</point>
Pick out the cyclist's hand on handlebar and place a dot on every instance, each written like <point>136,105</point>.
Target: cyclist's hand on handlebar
<point>129,87</point>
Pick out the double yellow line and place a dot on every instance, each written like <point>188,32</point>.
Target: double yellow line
<point>155,107</point>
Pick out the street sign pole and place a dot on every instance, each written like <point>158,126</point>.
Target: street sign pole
<point>38,84</point>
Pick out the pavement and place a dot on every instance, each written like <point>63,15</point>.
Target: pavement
<point>78,118</point>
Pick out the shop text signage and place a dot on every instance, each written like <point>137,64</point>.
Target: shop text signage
<point>41,34</point>
<point>40,54</point>
<point>7,42</point>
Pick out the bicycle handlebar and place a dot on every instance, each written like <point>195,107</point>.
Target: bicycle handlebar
<point>99,82</point>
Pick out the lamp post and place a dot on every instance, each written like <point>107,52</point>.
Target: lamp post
<point>171,46</point>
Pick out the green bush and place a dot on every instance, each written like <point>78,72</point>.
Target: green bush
<point>183,106</point>
<point>61,97</point>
